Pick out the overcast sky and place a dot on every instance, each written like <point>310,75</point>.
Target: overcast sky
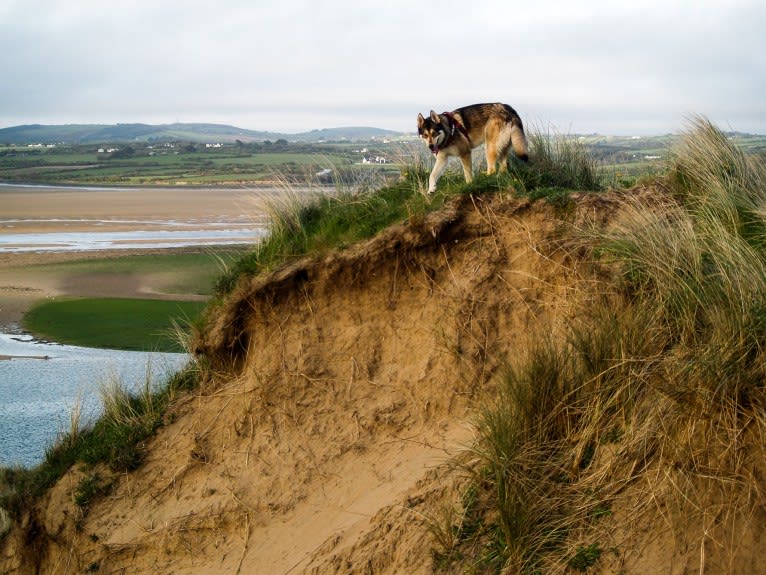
<point>606,66</point>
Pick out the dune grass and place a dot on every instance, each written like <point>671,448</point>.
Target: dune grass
<point>664,375</point>
<point>559,163</point>
<point>313,223</point>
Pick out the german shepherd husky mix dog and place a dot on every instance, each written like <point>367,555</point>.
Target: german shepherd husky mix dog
<point>457,133</point>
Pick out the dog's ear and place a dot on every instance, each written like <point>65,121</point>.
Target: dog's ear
<point>421,120</point>
<point>435,117</point>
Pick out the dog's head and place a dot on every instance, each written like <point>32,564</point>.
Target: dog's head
<point>433,130</point>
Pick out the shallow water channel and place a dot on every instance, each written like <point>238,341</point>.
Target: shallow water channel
<point>42,383</point>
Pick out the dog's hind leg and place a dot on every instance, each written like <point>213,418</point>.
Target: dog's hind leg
<point>465,159</point>
<point>491,152</point>
<point>503,146</point>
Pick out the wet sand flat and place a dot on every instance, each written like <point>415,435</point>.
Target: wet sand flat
<point>40,210</point>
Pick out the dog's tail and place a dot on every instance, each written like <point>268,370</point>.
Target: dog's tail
<point>518,138</point>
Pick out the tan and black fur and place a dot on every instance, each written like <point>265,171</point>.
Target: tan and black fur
<point>497,125</point>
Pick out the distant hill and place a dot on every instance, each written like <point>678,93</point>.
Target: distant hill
<point>188,132</point>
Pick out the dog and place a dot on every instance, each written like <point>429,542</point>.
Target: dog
<point>457,133</point>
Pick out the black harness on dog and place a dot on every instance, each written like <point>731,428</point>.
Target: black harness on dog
<point>454,124</point>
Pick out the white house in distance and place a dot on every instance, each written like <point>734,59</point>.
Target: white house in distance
<point>374,160</point>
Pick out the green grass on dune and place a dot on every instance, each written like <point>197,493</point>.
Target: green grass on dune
<point>301,224</point>
<point>114,323</point>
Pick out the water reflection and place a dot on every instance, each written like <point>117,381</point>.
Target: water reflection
<point>41,383</point>
<point>223,234</point>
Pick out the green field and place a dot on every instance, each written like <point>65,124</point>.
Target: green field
<point>114,323</point>
<point>176,163</point>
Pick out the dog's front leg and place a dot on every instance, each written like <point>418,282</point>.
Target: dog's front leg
<point>467,167</point>
<point>438,170</point>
